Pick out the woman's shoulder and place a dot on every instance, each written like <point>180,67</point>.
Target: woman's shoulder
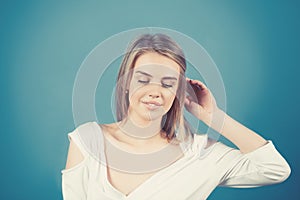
<point>77,151</point>
<point>112,127</point>
<point>93,128</point>
<point>111,131</point>
<point>89,137</point>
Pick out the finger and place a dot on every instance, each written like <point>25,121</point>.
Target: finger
<point>199,83</point>
<point>196,87</point>
<point>191,98</point>
<point>189,88</point>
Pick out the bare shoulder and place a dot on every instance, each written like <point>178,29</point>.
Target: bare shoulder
<point>74,155</point>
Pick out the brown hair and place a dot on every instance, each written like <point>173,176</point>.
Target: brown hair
<point>173,122</point>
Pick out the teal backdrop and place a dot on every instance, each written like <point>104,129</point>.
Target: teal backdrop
<point>255,45</point>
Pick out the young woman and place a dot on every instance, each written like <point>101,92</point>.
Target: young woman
<point>151,152</point>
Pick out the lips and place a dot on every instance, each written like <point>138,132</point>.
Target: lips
<point>152,105</point>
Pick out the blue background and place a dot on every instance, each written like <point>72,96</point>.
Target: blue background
<point>255,44</point>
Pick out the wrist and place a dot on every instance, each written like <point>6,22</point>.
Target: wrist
<point>214,119</point>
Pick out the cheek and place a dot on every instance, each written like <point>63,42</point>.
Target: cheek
<point>171,95</point>
<point>169,98</point>
<point>135,92</point>
<point>171,92</point>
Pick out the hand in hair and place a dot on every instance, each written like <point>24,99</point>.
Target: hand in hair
<point>199,100</point>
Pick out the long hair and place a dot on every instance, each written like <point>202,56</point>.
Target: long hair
<point>173,123</point>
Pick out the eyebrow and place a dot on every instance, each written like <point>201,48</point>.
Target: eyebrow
<point>166,77</point>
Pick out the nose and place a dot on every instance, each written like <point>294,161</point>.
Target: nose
<point>154,93</point>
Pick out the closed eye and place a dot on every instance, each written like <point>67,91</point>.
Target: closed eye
<point>163,84</point>
<point>166,85</point>
<point>140,81</point>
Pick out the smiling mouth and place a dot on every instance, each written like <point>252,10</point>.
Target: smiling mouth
<point>152,105</point>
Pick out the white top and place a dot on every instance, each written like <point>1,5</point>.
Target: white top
<point>192,177</point>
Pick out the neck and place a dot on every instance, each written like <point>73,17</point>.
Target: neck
<point>140,131</point>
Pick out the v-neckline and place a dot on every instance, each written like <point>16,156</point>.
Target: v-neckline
<point>104,169</point>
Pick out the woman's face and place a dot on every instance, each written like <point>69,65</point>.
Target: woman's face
<point>153,86</point>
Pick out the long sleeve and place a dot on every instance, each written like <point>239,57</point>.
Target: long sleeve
<point>263,166</point>
<point>75,179</point>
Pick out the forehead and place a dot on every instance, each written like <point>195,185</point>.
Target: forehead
<point>157,64</point>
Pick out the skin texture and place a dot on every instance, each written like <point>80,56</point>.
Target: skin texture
<point>145,121</point>
<point>152,87</point>
<point>140,118</point>
<point>74,155</point>
<point>207,111</point>
<point>204,107</point>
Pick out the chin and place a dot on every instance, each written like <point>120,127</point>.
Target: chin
<point>151,116</point>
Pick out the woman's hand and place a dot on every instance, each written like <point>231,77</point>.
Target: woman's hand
<point>201,103</point>
<point>199,100</point>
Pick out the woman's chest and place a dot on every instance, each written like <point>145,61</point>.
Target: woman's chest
<point>187,177</point>
<point>126,182</point>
